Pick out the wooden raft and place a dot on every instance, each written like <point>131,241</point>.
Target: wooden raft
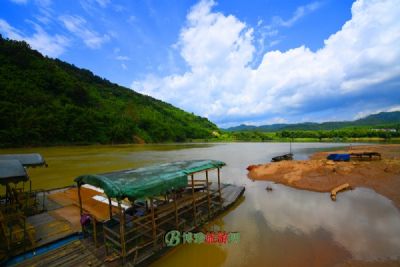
<point>72,254</point>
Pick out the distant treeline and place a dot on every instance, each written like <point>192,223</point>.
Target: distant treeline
<point>45,101</point>
<point>342,134</point>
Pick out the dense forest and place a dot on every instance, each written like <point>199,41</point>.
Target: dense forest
<point>45,101</point>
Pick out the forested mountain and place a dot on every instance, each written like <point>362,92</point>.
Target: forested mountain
<point>46,101</point>
<point>383,119</point>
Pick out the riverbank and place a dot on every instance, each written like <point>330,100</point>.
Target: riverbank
<point>321,175</point>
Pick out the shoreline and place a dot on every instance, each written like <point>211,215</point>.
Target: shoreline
<point>321,175</point>
<point>362,140</point>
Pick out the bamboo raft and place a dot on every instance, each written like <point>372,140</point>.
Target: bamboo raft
<point>120,231</point>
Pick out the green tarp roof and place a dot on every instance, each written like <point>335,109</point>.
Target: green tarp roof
<point>147,181</point>
<point>28,160</point>
<point>12,171</point>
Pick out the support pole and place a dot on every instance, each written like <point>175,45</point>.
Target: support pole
<point>153,221</point>
<point>176,212</point>
<point>110,207</point>
<point>94,221</point>
<point>7,195</point>
<point>80,206</point>
<point>219,188</point>
<point>193,201</point>
<point>80,199</point>
<point>122,232</point>
<point>208,196</point>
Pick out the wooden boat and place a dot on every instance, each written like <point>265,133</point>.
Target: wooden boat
<point>366,155</point>
<point>121,216</point>
<point>288,156</point>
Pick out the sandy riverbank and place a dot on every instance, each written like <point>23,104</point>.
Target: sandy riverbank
<point>319,174</point>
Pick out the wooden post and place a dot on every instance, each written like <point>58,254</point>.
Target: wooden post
<point>153,221</point>
<point>80,198</point>
<point>7,196</point>
<point>176,212</point>
<point>208,196</point>
<point>80,206</point>
<point>219,188</point>
<point>94,231</point>
<point>105,241</point>
<point>193,201</point>
<point>122,231</point>
<point>110,207</point>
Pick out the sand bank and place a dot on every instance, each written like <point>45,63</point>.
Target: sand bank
<point>321,175</point>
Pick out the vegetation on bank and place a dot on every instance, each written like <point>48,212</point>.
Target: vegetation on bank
<point>46,101</point>
<point>342,135</point>
<point>384,126</point>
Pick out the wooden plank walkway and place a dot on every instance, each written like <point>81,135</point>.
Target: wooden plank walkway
<point>48,228</point>
<point>84,253</point>
<point>73,254</point>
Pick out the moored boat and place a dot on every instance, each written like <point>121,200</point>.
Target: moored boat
<point>124,215</point>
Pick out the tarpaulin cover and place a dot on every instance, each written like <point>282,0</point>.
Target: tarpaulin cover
<point>148,181</point>
<point>32,159</point>
<point>12,171</point>
<point>339,157</point>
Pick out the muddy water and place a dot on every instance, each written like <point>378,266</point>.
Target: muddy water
<point>282,227</point>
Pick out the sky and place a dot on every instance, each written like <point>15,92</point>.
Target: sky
<point>233,61</point>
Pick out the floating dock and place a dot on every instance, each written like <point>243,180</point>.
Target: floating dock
<point>84,252</point>
<point>121,218</point>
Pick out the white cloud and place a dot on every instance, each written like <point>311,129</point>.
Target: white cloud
<point>94,7</point>
<point>50,45</point>
<point>132,19</point>
<point>122,58</point>
<point>356,65</point>
<point>298,14</point>
<point>103,3</point>
<point>19,2</point>
<point>365,113</point>
<point>43,3</point>
<point>77,25</point>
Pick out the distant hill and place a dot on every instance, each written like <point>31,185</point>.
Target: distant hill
<point>46,101</point>
<point>375,120</point>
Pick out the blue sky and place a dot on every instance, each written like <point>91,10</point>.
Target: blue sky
<point>255,62</point>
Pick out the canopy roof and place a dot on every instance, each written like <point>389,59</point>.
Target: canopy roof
<point>148,181</point>
<point>12,171</point>
<point>27,160</point>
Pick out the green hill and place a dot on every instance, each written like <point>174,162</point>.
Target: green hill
<point>45,101</point>
<point>380,120</point>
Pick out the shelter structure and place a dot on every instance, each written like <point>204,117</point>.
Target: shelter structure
<point>16,204</point>
<point>145,203</point>
<point>27,160</point>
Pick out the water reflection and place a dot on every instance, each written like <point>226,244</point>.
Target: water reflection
<point>365,223</point>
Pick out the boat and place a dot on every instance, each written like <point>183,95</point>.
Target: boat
<point>115,218</point>
<point>288,156</point>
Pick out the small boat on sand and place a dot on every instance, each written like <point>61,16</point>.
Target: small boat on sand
<point>288,156</point>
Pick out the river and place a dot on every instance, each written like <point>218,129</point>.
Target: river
<point>282,227</point>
